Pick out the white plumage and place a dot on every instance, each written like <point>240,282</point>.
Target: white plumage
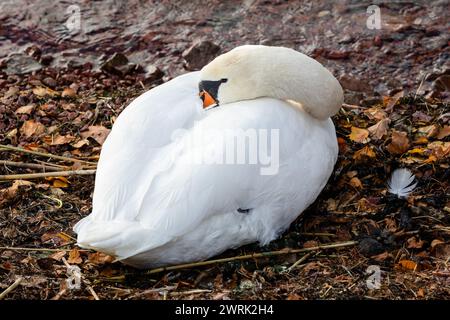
<point>401,182</point>
<point>152,206</point>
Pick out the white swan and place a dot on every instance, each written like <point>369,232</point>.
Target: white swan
<point>156,204</point>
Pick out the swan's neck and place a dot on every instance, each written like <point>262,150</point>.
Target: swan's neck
<point>276,72</point>
<point>302,81</point>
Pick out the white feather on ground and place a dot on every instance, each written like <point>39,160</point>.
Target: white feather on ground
<point>402,182</point>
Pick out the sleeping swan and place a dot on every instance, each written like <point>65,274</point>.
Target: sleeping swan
<point>215,159</point>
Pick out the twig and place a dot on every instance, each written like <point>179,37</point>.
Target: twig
<point>65,262</point>
<point>317,234</point>
<point>306,256</point>
<point>352,106</point>
<point>68,236</point>
<point>10,288</point>
<point>194,291</point>
<point>38,249</point>
<point>59,294</point>
<point>441,228</point>
<point>43,154</point>
<point>328,290</point>
<point>427,217</point>
<point>56,166</point>
<point>420,86</point>
<point>252,256</point>
<point>442,273</point>
<point>120,278</point>
<point>158,290</point>
<point>28,165</point>
<point>371,298</point>
<point>47,174</point>
<point>405,233</point>
<point>91,290</point>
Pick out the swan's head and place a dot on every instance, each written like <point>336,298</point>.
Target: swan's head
<point>254,71</point>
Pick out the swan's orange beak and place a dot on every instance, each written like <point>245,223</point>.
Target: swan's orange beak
<point>207,99</point>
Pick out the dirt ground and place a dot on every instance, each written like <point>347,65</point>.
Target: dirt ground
<point>61,91</point>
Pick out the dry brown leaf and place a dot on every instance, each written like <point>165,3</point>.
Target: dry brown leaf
<point>444,132</point>
<point>70,107</point>
<point>57,139</point>
<point>379,129</point>
<point>332,204</point>
<point>59,182</point>
<point>342,145</point>
<point>80,143</point>
<point>356,183</point>
<point>416,151</point>
<point>364,154</point>
<point>44,91</point>
<point>352,173</point>
<point>310,244</point>
<point>440,249</point>
<point>46,108</point>
<point>439,149</point>
<point>12,91</point>
<point>408,265</point>
<point>108,272</point>
<point>311,266</point>
<point>12,135</point>
<point>422,117</point>
<point>10,192</point>
<point>375,113</point>
<point>34,282</point>
<point>436,242</point>
<point>32,128</point>
<point>68,92</point>
<point>52,129</point>
<point>56,238</point>
<point>294,296</point>
<point>359,135</point>
<point>28,260</point>
<point>413,243</point>
<point>28,109</point>
<point>421,293</point>
<point>368,205</point>
<point>74,257</point>
<point>58,255</point>
<point>18,183</point>
<point>7,266</point>
<point>381,257</point>
<point>100,258</point>
<point>399,143</point>
<point>430,159</point>
<point>98,133</point>
<point>421,140</point>
<point>390,102</point>
<point>411,160</point>
<point>391,224</point>
<point>32,146</point>
<point>429,131</point>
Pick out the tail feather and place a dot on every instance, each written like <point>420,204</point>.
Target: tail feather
<point>121,239</point>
